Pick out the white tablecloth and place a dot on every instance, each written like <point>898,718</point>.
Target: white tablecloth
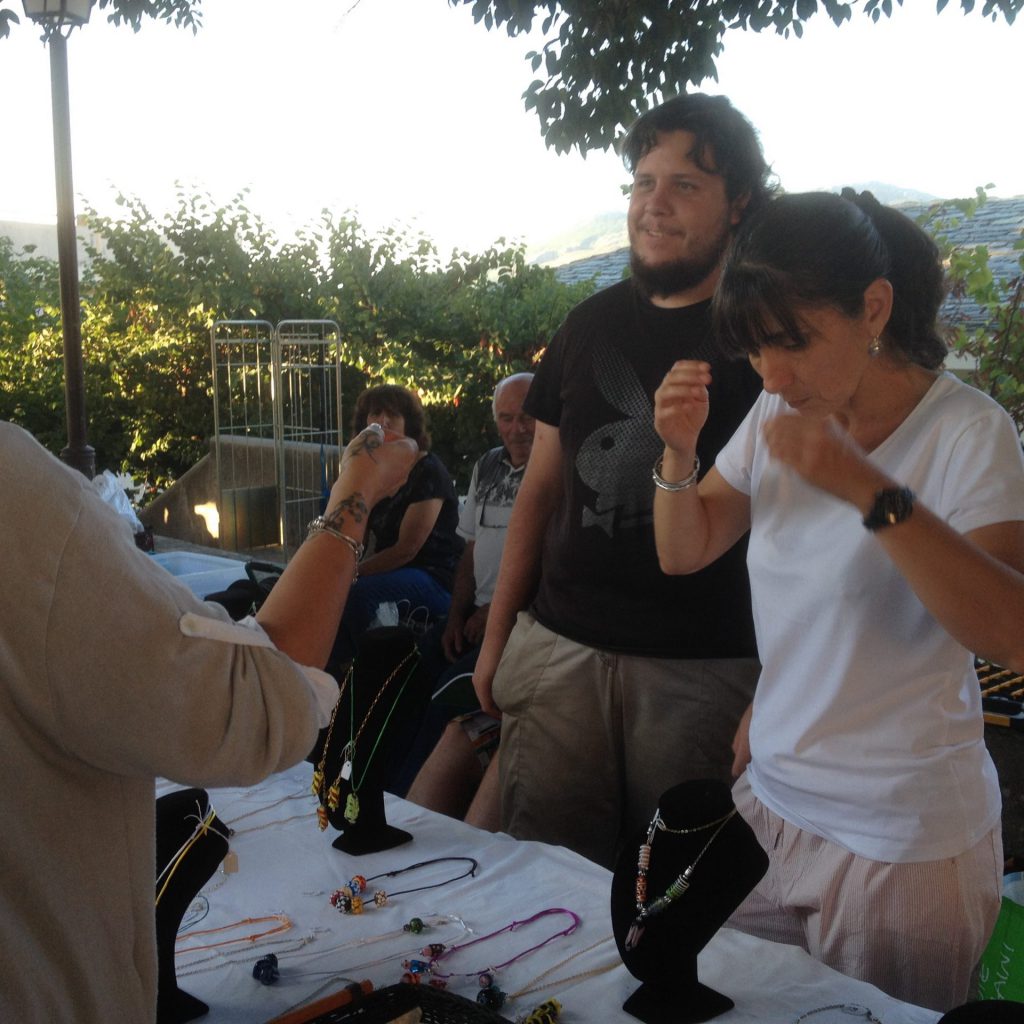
<point>287,866</point>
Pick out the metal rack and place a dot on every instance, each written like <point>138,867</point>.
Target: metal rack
<point>308,416</point>
<point>277,429</point>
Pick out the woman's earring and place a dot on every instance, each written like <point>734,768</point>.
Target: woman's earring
<point>875,348</point>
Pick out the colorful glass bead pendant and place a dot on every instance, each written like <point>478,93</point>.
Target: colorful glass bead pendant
<point>321,817</point>
<point>352,808</point>
<point>415,926</point>
<point>334,797</point>
<point>318,781</point>
<point>547,1013</point>
<point>380,898</point>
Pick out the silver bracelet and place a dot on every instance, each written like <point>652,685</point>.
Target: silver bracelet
<point>321,525</point>
<point>681,485</point>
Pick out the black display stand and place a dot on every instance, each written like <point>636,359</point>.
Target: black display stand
<point>665,958</point>
<point>986,1011</point>
<point>380,700</point>
<point>177,815</point>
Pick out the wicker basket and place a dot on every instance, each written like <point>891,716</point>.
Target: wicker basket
<point>437,1005</point>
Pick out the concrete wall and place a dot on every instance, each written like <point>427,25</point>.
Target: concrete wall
<point>245,497</point>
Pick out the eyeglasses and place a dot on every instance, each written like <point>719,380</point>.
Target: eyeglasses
<point>495,509</point>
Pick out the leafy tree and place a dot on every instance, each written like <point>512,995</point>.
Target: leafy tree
<point>602,60</point>
<point>184,13</point>
<point>997,346</point>
<point>448,327</point>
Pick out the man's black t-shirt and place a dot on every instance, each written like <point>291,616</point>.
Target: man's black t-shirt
<point>600,583</point>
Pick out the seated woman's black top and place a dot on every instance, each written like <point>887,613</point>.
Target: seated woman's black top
<point>440,552</point>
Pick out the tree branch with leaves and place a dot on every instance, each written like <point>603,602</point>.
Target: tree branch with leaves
<point>182,13</point>
<point>603,62</point>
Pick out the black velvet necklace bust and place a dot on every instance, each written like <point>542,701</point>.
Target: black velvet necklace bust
<point>725,868</point>
<point>177,817</point>
<point>384,693</point>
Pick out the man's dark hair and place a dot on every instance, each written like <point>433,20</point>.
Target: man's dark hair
<point>725,143</point>
<point>398,401</point>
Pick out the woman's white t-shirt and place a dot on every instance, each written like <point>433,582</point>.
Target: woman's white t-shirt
<point>867,724</point>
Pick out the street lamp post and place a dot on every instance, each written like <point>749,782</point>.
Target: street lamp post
<point>59,17</point>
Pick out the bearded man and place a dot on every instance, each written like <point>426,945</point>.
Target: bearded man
<point>616,682</point>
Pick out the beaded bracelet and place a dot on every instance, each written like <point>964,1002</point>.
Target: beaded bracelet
<point>675,485</point>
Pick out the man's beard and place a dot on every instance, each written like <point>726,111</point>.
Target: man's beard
<point>668,279</point>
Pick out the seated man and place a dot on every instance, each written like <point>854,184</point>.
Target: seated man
<point>449,778</point>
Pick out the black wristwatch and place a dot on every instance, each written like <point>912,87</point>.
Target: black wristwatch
<point>892,505</point>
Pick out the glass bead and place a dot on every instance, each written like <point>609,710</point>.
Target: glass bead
<point>352,808</point>
<point>491,997</point>
<point>415,926</point>
<point>357,883</point>
<point>380,898</point>
<point>357,904</point>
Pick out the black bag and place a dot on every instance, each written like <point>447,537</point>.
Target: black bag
<point>244,597</point>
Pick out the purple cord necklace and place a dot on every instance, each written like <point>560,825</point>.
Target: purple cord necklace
<point>449,950</point>
<point>490,995</point>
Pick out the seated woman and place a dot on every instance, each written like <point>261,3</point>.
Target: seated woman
<point>412,544</point>
<point>885,503</point>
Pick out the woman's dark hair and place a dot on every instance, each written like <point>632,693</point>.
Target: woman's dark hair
<point>817,249</point>
<point>398,401</point>
<point>725,143</point>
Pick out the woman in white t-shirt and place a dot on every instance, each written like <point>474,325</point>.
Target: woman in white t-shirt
<point>885,503</point>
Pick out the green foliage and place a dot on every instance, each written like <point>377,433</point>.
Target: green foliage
<point>996,346</point>
<point>603,61</point>
<point>152,291</point>
<point>183,13</point>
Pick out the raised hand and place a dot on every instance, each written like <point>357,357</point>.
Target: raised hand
<point>823,454</point>
<point>681,405</point>
<point>375,463</point>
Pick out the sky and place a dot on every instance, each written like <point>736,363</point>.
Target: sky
<point>410,114</point>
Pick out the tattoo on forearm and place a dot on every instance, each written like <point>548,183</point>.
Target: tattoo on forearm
<point>353,507</point>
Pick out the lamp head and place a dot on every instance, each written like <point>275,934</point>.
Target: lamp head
<point>56,15</point>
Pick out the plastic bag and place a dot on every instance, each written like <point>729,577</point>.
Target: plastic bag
<point>1001,972</point>
<point>111,490</point>
<point>386,615</point>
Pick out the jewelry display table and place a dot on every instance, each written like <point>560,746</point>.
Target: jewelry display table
<point>287,871</point>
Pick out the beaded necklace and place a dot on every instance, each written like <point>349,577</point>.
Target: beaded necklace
<point>678,887</point>
<point>334,793</point>
<point>348,753</point>
<point>349,899</point>
<point>490,995</point>
<point>437,955</point>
